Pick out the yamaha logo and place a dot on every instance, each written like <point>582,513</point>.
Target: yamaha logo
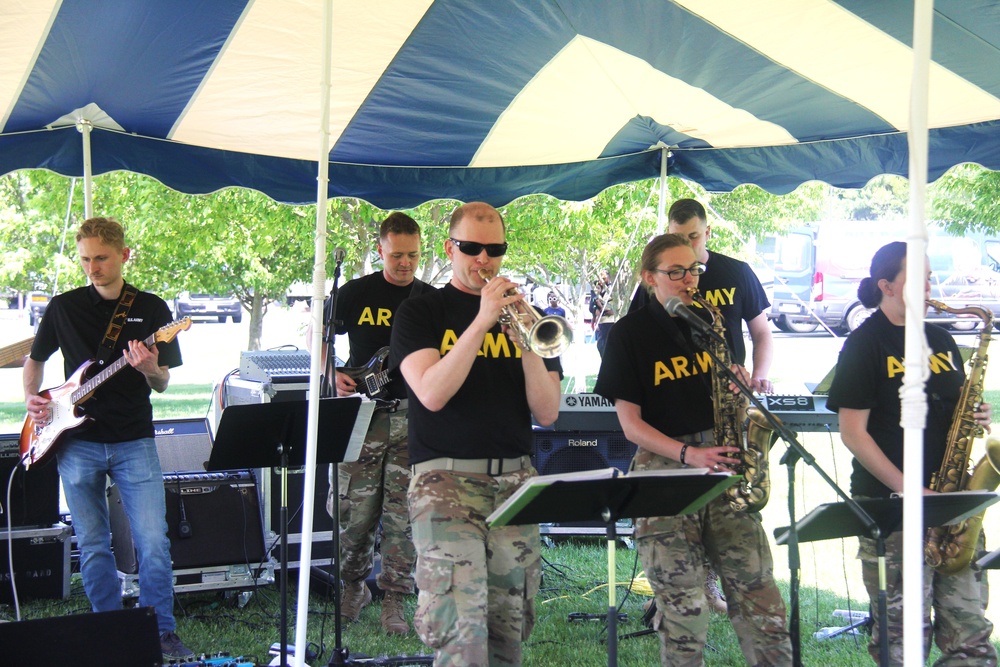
<point>580,442</point>
<point>571,401</point>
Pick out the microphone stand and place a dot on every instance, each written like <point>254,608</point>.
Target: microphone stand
<point>795,452</point>
<point>339,653</point>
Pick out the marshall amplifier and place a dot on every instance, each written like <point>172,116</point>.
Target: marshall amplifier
<point>34,494</point>
<point>213,518</point>
<point>182,444</point>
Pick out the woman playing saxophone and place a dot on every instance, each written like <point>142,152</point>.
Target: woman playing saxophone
<point>865,392</point>
<point>660,381</point>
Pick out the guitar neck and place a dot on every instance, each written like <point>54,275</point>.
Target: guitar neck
<point>91,385</point>
<point>11,355</point>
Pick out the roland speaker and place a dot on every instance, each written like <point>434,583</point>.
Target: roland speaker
<point>560,452</point>
<point>573,451</point>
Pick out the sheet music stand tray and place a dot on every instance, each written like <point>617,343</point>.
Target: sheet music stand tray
<point>609,495</point>
<point>273,435</point>
<point>836,520</point>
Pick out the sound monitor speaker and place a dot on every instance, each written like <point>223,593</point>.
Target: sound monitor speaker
<point>124,638</point>
<point>213,518</point>
<point>34,497</point>
<point>573,451</point>
<point>558,452</point>
<point>182,444</point>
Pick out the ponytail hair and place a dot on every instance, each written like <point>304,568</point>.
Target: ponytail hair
<point>887,263</point>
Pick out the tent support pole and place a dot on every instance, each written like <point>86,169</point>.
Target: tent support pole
<point>661,208</point>
<point>84,127</point>
<point>913,399</point>
<point>315,346</point>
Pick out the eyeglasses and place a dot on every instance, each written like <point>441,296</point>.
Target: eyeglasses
<point>695,269</point>
<point>473,248</point>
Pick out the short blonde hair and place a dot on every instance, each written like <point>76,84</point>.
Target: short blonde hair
<point>108,230</point>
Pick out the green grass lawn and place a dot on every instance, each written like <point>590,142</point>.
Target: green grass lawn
<point>574,579</point>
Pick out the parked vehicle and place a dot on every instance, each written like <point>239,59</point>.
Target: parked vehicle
<point>208,305</point>
<point>36,304</point>
<point>818,269</point>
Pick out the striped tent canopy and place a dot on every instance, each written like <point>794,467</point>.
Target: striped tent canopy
<point>478,99</point>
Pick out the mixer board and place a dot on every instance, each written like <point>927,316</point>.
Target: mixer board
<point>275,365</point>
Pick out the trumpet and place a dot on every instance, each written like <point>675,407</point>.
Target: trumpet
<point>547,336</point>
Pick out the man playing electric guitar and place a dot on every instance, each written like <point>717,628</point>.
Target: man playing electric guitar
<point>108,320</point>
<point>374,487</point>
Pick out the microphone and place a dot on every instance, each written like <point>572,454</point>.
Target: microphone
<point>674,306</point>
<point>339,255</point>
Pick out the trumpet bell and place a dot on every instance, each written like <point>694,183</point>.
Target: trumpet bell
<point>550,336</point>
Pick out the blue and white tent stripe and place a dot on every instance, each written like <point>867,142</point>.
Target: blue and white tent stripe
<point>491,100</point>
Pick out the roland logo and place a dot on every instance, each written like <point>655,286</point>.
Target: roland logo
<point>582,442</point>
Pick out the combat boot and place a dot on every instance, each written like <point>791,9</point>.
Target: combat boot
<point>393,618</point>
<point>356,596</point>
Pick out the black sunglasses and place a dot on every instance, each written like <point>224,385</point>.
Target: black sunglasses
<point>473,248</point>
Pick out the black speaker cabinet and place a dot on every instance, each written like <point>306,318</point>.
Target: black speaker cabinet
<point>182,444</point>
<point>34,497</point>
<point>213,518</point>
<point>124,638</point>
<point>572,451</point>
<point>558,452</point>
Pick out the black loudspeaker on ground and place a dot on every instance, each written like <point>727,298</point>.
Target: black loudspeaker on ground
<point>125,638</point>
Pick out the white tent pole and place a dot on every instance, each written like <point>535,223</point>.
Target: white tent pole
<point>661,209</point>
<point>84,127</point>
<point>914,403</point>
<point>316,344</point>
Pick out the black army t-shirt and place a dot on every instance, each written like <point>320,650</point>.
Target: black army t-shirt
<point>488,417</point>
<point>869,375</point>
<point>365,307</point>
<point>733,287</point>
<point>652,361</point>
<point>75,322</point>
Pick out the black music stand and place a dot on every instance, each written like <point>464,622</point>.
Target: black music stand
<point>273,435</point>
<point>609,495</point>
<point>836,520</point>
<point>990,561</point>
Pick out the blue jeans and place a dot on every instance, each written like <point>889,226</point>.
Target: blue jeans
<point>134,466</point>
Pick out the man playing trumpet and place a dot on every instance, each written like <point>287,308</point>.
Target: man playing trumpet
<point>473,390</point>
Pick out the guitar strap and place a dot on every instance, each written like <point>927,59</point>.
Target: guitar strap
<point>118,320</point>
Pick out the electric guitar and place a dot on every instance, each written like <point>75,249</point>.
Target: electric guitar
<point>39,439</point>
<point>12,356</point>
<point>373,377</point>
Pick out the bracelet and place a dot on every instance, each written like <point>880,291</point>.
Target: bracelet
<point>683,452</point>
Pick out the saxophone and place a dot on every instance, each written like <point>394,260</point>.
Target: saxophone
<point>731,413</point>
<point>949,549</point>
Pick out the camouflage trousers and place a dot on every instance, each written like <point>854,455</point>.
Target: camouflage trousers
<point>477,585</point>
<point>673,551</point>
<point>960,628</point>
<point>373,489</point>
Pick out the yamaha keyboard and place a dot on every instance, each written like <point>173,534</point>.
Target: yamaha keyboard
<point>591,412</point>
<point>802,413</point>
